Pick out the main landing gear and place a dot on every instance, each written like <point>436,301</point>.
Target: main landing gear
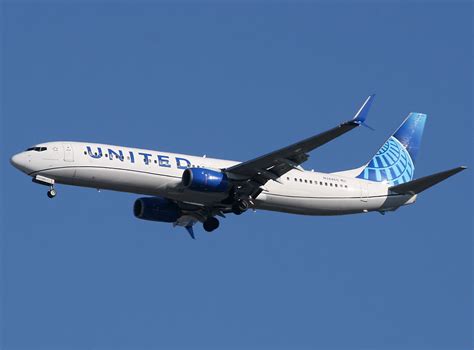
<point>240,206</point>
<point>210,224</point>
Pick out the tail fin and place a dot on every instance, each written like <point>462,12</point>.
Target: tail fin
<point>394,163</point>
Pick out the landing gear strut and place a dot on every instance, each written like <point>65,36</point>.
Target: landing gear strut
<point>52,192</point>
<point>210,224</point>
<point>240,206</point>
<point>43,180</point>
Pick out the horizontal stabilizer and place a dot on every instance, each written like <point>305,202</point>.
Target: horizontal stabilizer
<point>421,184</point>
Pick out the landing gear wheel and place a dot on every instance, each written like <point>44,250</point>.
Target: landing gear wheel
<point>210,224</point>
<point>236,210</point>
<point>240,206</point>
<point>52,193</point>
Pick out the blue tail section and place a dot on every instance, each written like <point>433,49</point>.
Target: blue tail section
<point>394,163</point>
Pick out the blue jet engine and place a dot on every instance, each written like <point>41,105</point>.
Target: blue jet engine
<point>205,180</point>
<point>156,209</point>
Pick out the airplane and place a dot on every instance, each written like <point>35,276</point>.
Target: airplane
<point>184,190</point>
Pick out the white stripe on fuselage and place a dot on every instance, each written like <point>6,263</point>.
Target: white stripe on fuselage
<point>301,192</point>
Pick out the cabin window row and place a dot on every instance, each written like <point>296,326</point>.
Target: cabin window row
<point>321,183</point>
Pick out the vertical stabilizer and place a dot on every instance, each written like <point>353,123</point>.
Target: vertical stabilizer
<point>394,163</point>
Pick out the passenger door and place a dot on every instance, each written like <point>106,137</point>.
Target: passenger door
<point>68,153</point>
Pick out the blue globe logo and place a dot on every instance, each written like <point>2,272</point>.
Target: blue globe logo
<point>391,164</point>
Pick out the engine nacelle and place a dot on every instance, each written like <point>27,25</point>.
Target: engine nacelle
<point>156,209</point>
<point>205,180</point>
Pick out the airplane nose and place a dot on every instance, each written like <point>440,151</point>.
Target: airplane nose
<point>15,160</point>
<point>19,161</point>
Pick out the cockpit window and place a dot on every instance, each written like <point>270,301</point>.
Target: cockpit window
<point>37,149</point>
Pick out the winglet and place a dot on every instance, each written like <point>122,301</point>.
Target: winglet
<point>190,231</point>
<point>361,114</point>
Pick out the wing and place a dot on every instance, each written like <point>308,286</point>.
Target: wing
<point>256,172</point>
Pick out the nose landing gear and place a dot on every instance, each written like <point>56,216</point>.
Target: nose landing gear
<point>52,192</point>
<point>46,181</point>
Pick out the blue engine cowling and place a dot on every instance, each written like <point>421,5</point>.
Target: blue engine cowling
<point>205,180</point>
<point>156,209</point>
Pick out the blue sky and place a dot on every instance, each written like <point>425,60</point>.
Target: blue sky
<point>235,81</point>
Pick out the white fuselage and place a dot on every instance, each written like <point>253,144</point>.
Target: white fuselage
<point>157,173</point>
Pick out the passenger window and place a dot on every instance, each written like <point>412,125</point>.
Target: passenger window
<point>296,179</point>
<point>310,181</point>
<point>330,184</point>
<point>301,180</point>
<point>321,183</point>
<point>306,181</point>
<point>335,185</point>
<point>326,183</point>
